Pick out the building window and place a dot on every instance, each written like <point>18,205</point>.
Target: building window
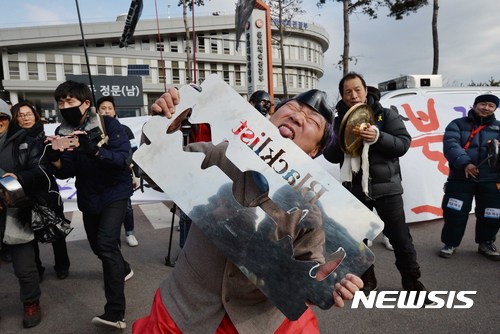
<point>160,45</point>
<point>201,43</point>
<point>68,68</point>
<point>201,72</point>
<point>286,48</point>
<point>145,45</point>
<point>14,70</point>
<point>176,79</point>
<point>174,46</point>
<point>237,75</point>
<point>213,43</point>
<point>294,52</point>
<point>32,71</point>
<point>213,68</point>
<point>51,71</point>
<point>225,43</point>
<point>101,69</point>
<point>13,56</point>
<point>162,71</point>
<point>225,71</point>
<point>289,79</point>
<point>84,69</point>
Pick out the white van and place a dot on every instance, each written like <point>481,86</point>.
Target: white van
<point>427,112</point>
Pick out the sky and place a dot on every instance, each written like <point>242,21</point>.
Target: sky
<point>469,34</point>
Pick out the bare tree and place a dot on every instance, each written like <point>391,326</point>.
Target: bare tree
<point>400,8</point>
<point>368,7</point>
<point>284,11</point>
<point>188,4</point>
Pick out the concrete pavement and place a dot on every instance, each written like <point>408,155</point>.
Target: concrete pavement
<point>69,305</point>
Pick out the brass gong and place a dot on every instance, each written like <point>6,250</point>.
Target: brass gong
<point>349,141</point>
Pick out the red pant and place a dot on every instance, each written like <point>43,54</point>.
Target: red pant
<point>160,322</point>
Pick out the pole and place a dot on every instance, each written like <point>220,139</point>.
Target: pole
<point>161,46</point>
<point>85,52</point>
<point>194,43</point>
<point>167,258</point>
<point>186,130</point>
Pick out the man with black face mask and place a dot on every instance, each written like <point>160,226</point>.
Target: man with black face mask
<point>103,187</point>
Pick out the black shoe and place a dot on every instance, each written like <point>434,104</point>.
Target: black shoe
<point>413,284</point>
<point>62,274</point>
<point>109,320</point>
<point>369,280</point>
<point>32,314</point>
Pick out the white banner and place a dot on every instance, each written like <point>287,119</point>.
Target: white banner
<point>426,113</point>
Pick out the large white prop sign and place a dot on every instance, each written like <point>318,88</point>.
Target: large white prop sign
<point>295,184</point>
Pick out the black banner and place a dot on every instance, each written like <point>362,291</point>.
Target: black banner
<point>126,91</point>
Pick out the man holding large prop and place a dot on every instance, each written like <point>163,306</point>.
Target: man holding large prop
<point>207,292</point>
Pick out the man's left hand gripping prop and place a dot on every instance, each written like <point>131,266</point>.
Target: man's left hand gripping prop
<point>296,190</point>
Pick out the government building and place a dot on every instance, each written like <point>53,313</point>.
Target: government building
<point>35,60</point>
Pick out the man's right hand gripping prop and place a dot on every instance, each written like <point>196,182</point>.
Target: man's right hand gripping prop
<point>298,190</point>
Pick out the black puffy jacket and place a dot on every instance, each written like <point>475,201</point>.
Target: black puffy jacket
<point>393,142</point>
<point>102,180</point>
<point>20,154</point>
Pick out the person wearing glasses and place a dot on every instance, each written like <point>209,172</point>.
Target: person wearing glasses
<point>20,155</point>
<point>27,118</point>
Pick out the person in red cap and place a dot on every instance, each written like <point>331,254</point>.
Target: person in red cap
<point>470,145</point>
<point>206,292</point>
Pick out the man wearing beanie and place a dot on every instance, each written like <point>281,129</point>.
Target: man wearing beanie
<point>5,117</point>
<point>466,144</point>
<point>5,109</point>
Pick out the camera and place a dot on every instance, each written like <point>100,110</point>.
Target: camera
<point>65,143</point>
<point>11,190</point>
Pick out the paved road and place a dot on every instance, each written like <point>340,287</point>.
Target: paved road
<point>69,305</point>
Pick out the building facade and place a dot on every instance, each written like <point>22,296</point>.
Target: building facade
<point>35,60</point>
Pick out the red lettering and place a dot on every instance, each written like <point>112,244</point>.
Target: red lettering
<point>238,130</point>
<point>247,136</point>
<point>438,156</point>
<point>423,122</point>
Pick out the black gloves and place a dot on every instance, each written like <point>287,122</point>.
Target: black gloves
<point>53,155</point>
<point>87,146</point>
